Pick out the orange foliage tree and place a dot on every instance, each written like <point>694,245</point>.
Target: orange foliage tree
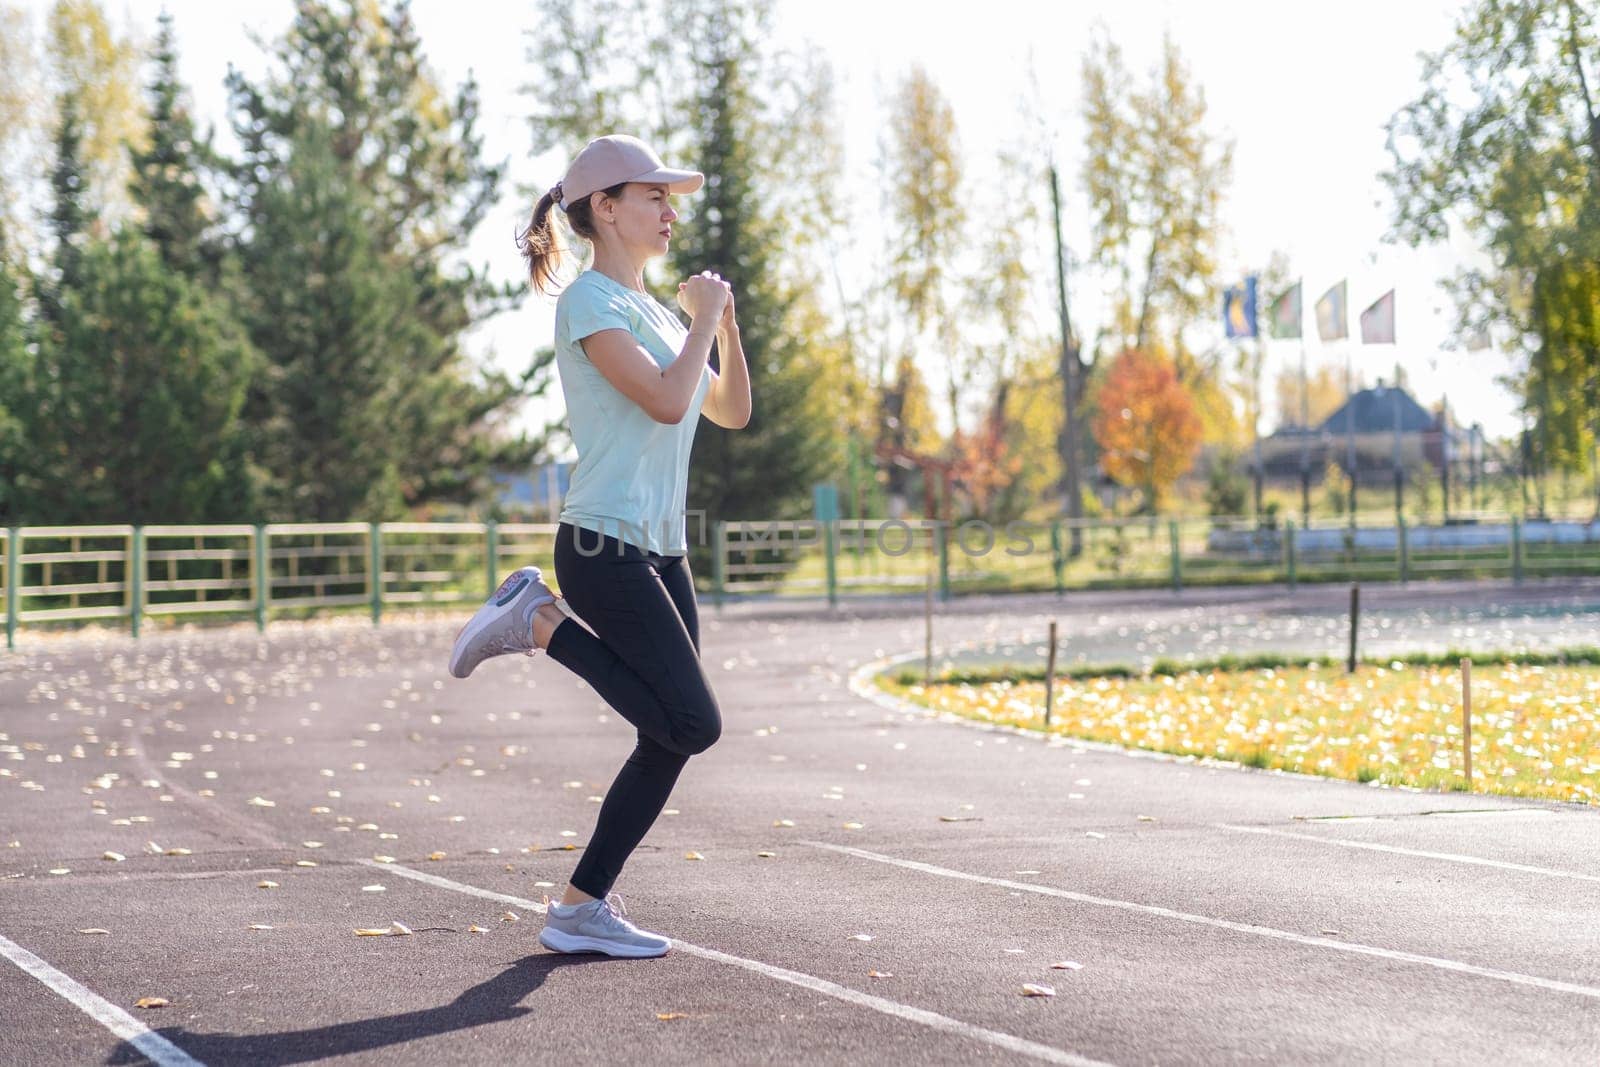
<point>1147,427</point>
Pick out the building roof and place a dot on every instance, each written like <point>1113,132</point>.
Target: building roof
<point>1374,411</point>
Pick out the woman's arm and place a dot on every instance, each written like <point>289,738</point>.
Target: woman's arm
<point>664,395</point>
<point>728,400</point>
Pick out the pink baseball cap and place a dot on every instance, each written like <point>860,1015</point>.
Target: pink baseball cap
<point>608,161</point>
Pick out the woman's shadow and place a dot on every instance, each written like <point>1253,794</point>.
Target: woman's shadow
<point>497,1000</point>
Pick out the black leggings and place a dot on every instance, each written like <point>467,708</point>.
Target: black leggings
<point>645,663</point>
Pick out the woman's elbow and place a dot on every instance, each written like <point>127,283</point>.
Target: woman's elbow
<point>670,416</point>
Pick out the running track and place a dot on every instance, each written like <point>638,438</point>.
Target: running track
<point>1216,914</point>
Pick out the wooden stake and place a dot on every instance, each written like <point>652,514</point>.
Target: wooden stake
<point>1050,672</point>
<point>1466,718</point>
<point>927,644</point>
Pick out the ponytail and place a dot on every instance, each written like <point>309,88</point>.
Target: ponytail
<point>540,245</point>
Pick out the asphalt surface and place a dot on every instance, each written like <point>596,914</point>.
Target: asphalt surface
<point>1210,914</point>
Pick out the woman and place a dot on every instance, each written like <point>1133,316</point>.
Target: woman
<point>635,383</point>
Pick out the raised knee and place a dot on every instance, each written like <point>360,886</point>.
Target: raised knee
<point>698,740</point>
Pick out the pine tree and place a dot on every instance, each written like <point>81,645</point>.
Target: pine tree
<point>330,315</point>
<point>166,180</point>
<point>14,383</point>
<point>393,184</point>
<point>68,214</point>
<point>765,469</point>
<point>148,374</point>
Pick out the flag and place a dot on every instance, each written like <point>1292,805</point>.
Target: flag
<point>1286,313</point>
<point>1377,322</point>
<point>1332,322</point>
<point>1239,309</point>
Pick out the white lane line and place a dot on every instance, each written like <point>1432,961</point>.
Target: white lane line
<point>931,1019</point>
<point>153,1046</point>
<point>1224,924</point>
<point>1450,856</point>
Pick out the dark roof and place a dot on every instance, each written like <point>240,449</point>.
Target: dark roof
<point>1374,412</point>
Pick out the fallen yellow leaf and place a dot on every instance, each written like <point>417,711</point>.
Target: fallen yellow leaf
<point>305,863</point>
<point>400,929</point>
<point>94,930</point>
<point>476,929</point>
<point>783,822</point>
<point>260,926</point>
<point>879,974</point>
<point>151,1002</point>
<point>180,852</point>
<point>114,857</point>
<point>766,855</point>
<point>1031,990</point>
<point>266,885</point>
<point>436,855</point>
<point>1066,965</point>
<point>383,859</point>
<point>693,856</point>
<point>372,932</point>
<point>665,1016</point>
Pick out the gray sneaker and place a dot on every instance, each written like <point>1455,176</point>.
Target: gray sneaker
<point>598,926</point>
<point>504,623</point>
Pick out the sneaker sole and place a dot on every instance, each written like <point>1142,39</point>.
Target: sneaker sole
<point>557,941</point>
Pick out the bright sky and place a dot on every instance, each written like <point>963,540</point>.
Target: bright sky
<point>1303,91</point>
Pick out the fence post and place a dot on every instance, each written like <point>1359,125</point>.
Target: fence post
<point>830,535</point>
<point>13,577</point>
<point>942,541</point>
<point>1177,557</point>
<point>719,561</point>
<point>136,579</point>
<point>1056,562</point>
<point>1516,550</point>
<point>1288,548</point>
<point>1405,550</point>
<point>493,556</point>
<point>375,570</point>
<point>263,577</point>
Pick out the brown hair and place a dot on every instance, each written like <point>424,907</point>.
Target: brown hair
<point>539,244</point>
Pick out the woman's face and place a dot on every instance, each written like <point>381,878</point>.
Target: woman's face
<point>643,219</point>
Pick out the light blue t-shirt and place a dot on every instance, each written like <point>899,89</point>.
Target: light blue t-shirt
<point>632,476</point>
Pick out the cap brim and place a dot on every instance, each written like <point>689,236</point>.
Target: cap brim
<point>676,181</point>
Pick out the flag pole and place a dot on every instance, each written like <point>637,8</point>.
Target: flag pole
<point>1255,423</point>
<point>1305,437</point>
<point>1350,423</point>
<point>1444,450</point>
<point>1399,479</point>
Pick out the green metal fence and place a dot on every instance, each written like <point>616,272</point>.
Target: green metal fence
<point>127,574</point>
